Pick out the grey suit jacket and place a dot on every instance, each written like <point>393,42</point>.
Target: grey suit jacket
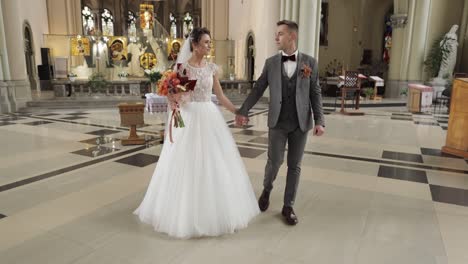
<point>308,92</point>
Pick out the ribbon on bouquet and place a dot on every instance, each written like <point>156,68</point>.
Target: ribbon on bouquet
<point>176,117</point>
<point>170,126</point>
<point>178,122</point>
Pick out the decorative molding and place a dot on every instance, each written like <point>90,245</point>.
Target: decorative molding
<point>398,20</point>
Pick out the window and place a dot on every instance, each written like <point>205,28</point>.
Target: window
<point>107,23</point>
<point>88,21</point>
<point>131,26</point>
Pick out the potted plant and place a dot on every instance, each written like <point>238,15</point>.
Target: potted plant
<point>72,76</point>
<point>404,92</point>
<point>97,82</point>
<point>369,92</point>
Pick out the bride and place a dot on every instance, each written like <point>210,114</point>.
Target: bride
<point>200,186</point>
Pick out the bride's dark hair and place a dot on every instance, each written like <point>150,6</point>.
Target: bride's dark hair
<point>196,35</point>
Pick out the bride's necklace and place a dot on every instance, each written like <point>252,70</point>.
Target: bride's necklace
<point>199,64</point>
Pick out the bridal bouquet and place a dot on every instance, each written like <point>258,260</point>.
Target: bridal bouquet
<point>174,84</point>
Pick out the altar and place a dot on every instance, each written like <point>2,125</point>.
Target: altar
<point>158,104</point>
<point>82,87</point>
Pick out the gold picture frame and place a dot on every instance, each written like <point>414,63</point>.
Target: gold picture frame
<point>148,60</point>
<point>80,46</point>
<point>173,48</point>
<point>118,48</point>
<point>146,16</point>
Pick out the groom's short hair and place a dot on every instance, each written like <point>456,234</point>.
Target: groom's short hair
<point>292,26</point>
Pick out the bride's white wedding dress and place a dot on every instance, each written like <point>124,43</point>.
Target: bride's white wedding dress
<point>200,186</point>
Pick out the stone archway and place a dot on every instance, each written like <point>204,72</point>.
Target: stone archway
<point>250,57</point>
<point>29,54</point>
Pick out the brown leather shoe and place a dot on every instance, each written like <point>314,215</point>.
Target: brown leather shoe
<point>289,215</point>
<point>264,200</point>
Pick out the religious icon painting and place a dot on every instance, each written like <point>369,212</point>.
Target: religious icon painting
<point>118,48</point>
<point>173,48</point>
<point>79,46</point>
<point>146,16</point>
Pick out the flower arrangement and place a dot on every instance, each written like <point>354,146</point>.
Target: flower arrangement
<point>71,76</point>
<point>334,68</point>
<point>174,84</point>
<point>122,74</point>
<point>153,75</point>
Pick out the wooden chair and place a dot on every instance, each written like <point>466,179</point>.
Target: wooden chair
<point>350,91</point>
<point>443,98</point>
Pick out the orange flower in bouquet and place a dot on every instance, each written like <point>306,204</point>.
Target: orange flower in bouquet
<point>175,84</point>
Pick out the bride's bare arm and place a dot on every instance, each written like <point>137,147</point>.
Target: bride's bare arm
<point>221,97</point>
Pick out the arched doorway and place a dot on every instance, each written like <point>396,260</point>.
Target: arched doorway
<point>29,56</point>
<point>250,54</point>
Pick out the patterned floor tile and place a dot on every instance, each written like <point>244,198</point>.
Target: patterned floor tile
<point>402,156</point>
<point>449,195</point>
<point>403,174</point>
<point>103,132</point>
<point>139,160</point>
<point>95,151</point>
<point>37,123</point>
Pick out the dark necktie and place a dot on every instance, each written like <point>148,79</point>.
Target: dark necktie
<point>286,58</point>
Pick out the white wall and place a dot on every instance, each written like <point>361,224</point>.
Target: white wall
<point>15,14</point>
<point>35,12</point>
<point>259,17</point>
<point>353,25</point>
<point>342,17</point>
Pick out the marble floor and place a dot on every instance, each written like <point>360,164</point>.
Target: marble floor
<point>374,189</point>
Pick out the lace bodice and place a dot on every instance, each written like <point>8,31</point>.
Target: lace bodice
<point>204,77</point>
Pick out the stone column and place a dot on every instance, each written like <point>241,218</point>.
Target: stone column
<point>399,53</point>
<point>309,27</point>
<point>282,9</point>
<point>5,104</point>
<point>307,14</point>
<point>15,89</point>
<point>420,11</point>
<point>295,10</point>
<point>287,5</point>
<point>215,16</point>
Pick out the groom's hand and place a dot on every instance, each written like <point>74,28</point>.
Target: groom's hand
<point>319,130</point>
<point>241,120</point>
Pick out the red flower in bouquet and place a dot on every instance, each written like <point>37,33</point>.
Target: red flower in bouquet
<point>174,84</point>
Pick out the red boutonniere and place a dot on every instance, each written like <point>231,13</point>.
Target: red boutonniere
<point>306,71</point>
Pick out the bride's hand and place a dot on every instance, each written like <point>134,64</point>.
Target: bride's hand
<point>172,100</point>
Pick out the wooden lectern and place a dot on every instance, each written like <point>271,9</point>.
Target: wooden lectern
<point>456,142</point>
<point>131,115</point>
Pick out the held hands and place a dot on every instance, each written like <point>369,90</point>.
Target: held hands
<point>241,120</point>
<point>319,130</point>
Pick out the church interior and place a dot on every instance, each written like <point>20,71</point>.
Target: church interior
<point>83,124</point>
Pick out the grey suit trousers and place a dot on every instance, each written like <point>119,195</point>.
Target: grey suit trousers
<point>277,139</point>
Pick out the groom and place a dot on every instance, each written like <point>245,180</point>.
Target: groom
<point>295,100</point>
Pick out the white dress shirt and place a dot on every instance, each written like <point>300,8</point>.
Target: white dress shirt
<point>290,66</point>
